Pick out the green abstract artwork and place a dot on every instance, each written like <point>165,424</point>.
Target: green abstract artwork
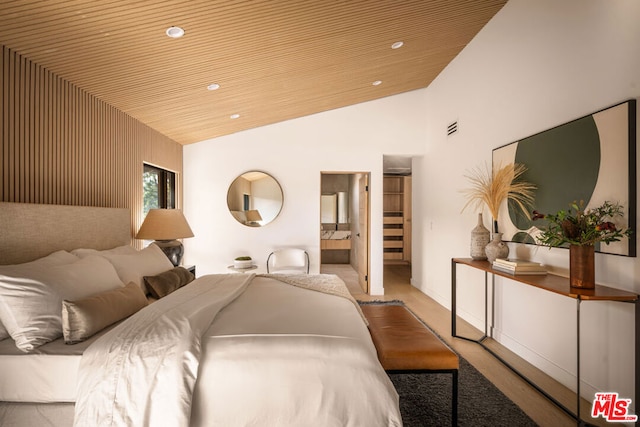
<point>590,159</point>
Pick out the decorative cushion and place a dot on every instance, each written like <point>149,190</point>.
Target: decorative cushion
<point>120,250</point>
<point>133,267</point>
<point>163,284</point>
<point>84,318</point>
<point>31,295</point>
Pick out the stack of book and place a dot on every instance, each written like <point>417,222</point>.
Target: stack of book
<point>519,266</point>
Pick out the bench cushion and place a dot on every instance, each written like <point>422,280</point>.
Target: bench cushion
<point>404,343</point>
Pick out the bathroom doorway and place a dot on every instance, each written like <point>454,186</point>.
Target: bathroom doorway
<point>344,226</point>
<point>397,214</point>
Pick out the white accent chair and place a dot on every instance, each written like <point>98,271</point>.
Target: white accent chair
<point>288,261</point>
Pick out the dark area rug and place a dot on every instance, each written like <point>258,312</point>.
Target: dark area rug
<point>425,400</point>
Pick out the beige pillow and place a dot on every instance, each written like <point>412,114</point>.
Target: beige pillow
<point>163,284</point>
<point>133,267</point>
<point>120,250</point>
<point>83,318</point>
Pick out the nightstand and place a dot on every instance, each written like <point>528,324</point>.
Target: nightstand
<point>190,268</point>
<point>242,270</point>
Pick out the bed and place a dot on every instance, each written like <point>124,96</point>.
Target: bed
<point>220,350</point>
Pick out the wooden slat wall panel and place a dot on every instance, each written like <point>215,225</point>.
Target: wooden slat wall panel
<point>61,145</point>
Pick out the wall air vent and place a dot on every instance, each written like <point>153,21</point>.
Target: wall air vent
<point>452,128</point>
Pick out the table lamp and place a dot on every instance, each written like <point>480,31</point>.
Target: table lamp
<point>164,226</point>
<point>253,216</point>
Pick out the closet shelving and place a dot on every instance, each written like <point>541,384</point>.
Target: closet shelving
<point>397,217</point>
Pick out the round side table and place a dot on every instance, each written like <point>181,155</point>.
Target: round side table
<point>242,270</point>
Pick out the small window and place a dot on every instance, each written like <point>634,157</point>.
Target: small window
<point>159,187</point>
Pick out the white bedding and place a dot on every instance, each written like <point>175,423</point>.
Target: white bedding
<point>274,355</point>
<point>37,377</point>
<point>47,374</point>
<point>312,364</point>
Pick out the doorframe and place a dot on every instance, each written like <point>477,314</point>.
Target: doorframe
<point>367,243</point>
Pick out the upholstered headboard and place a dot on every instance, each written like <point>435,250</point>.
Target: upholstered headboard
<point>30,231</point>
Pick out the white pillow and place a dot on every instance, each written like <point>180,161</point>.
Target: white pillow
<point>120,250</point>
<point>55,258</point>
<point>31,296</point>
<point>147,262</point>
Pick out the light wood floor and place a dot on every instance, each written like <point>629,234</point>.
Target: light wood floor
<point>541,410</point>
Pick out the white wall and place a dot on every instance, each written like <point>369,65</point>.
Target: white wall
<point>351,139</point>
<point>536,65</point>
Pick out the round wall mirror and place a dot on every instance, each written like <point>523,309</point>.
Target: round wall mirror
<point>254,199</point>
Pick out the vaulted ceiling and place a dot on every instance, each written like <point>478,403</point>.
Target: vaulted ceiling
<point>273,60</point>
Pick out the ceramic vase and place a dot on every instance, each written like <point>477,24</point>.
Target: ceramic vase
<point>496,248</point>
<point>582,266</point>
<point>479,240</point>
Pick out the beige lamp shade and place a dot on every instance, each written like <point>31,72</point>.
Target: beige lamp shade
<point>164,224</point>
<point>253,215</point>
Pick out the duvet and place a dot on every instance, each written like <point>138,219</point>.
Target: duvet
<point>239,350</point>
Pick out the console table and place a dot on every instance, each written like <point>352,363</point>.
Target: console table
<point>558,285</point>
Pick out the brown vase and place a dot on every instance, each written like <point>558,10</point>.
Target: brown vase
<point>582,268</point>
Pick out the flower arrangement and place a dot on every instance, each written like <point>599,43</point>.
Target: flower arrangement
<point>576,226</point>
<point>494,187</point>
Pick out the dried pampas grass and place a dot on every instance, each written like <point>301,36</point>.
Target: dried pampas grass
<point>493,187</point>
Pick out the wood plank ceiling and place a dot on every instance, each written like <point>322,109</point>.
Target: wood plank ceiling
<point>274,60</point>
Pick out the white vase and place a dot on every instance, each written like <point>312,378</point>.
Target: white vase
<point>496,248</point>
<point>479,239</point>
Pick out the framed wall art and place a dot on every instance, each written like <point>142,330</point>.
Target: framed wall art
<point>590,159</point>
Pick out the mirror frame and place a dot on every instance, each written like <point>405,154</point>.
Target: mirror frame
<point>237,207</point>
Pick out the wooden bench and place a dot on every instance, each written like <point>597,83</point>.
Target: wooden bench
<point>405,345</point>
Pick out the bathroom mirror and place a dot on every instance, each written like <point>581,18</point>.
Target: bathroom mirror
<point>328,208</point>
<point>254,199</point>
<point>334,208</point>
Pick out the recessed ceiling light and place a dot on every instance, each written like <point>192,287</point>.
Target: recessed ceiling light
<point>234,116</point>
<point>397,45</point>
<point>377,83</point>
<point>213,86</point>
<point>175,32</point>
